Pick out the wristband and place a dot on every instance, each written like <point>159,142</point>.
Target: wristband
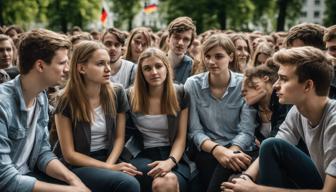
<point>213,148</point>
<point>247,175</point>
<point>173,159</point>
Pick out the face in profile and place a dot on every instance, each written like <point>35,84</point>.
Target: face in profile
<point>287,87</point>
<point>97,69</point>
<point>154,71</point>
<point>58,69</point>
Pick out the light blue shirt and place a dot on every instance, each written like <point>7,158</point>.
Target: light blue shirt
<point>227,121</point>
<point>13,135</point>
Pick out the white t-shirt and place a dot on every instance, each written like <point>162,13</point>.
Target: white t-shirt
<point>21,163</point>
<point>98,130</point>
<point>320,140</point>
<point>125,75</point>
<point>154,129</point>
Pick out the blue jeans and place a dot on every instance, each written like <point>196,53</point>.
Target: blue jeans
<point>284,165</point>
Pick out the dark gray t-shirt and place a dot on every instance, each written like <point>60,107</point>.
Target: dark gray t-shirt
<point>320,140</point>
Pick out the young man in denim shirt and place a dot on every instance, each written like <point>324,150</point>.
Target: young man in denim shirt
<point>181,33</point>
<point>26,161</point>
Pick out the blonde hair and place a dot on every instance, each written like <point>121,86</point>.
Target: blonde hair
<point>74,91</point>
<point>140,90</point>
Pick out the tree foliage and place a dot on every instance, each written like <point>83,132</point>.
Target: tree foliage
<point>64,14</point>
<point>211,14</point>
<point>330,13</point>
<point>125,11</point>
<point>22,13</point>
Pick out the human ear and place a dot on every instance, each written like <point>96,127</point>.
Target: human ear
<point>265,78</point>
<point>231,57</point>
<point>81,68</point>
<point>39,65</point>
<point>309,84</point>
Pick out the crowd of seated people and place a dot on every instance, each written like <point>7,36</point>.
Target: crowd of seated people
<point>168,111</point>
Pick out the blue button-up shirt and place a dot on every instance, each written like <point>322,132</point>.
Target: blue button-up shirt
<point>227,121</point>
<point>13,130</point>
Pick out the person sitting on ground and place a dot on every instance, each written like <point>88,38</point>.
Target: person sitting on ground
<point>26,160</point>
<point>304,80</point>
<point>90,122</point>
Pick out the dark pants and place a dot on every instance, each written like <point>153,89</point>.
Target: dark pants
<point>211,173</point>
<point>147,156</point>
<point>104,180</point>
<point>284,165</point>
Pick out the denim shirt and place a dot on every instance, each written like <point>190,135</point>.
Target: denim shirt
<point>227,121</point>
<point>183,70</point>
<point>13,129</point>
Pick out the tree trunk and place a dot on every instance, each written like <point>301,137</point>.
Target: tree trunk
<point>282,4</point>
<point>1,9</point>
<point>222,18</point>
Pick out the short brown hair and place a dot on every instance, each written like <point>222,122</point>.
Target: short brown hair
<point>330,34</point>
<point>182,24</point>
<point>269,69</point>
<point>311,63</point>
<point>310,34</point>
<point>39,44</point>
<point>121,37</point>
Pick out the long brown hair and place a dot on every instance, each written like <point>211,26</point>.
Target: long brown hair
<point>143,31</point>
<point>74,91</point>
<point>140,91</point>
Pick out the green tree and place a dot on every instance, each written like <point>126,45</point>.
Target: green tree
<point>125,11</point>
<point>288,9</point>
<point>64,14</point>
<point>221,14</point>
<point>330,13</point>
<point>22,13</point>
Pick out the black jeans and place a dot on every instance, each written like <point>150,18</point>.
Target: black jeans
<point>141,161</point>
<point>284,165</point>
<point>104,180</point>
<point>211,173</point>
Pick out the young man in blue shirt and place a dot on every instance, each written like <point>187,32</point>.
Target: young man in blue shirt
<point>26,160</point>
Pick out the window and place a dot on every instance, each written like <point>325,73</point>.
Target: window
<point>303,14</point>
<point>316,14</point>
<point>317,2</point>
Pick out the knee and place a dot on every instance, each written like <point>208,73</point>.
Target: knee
<point>271,146</point>
<point>167,183</point>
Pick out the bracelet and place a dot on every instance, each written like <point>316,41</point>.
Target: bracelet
<point>173,159</point>
<point>213,148</point>
<point>247,175</point>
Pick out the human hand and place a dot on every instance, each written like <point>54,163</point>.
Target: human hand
<point>231,159</point>
<point>126,168</point>
<point>160,168</point>
<point>241,184</point>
